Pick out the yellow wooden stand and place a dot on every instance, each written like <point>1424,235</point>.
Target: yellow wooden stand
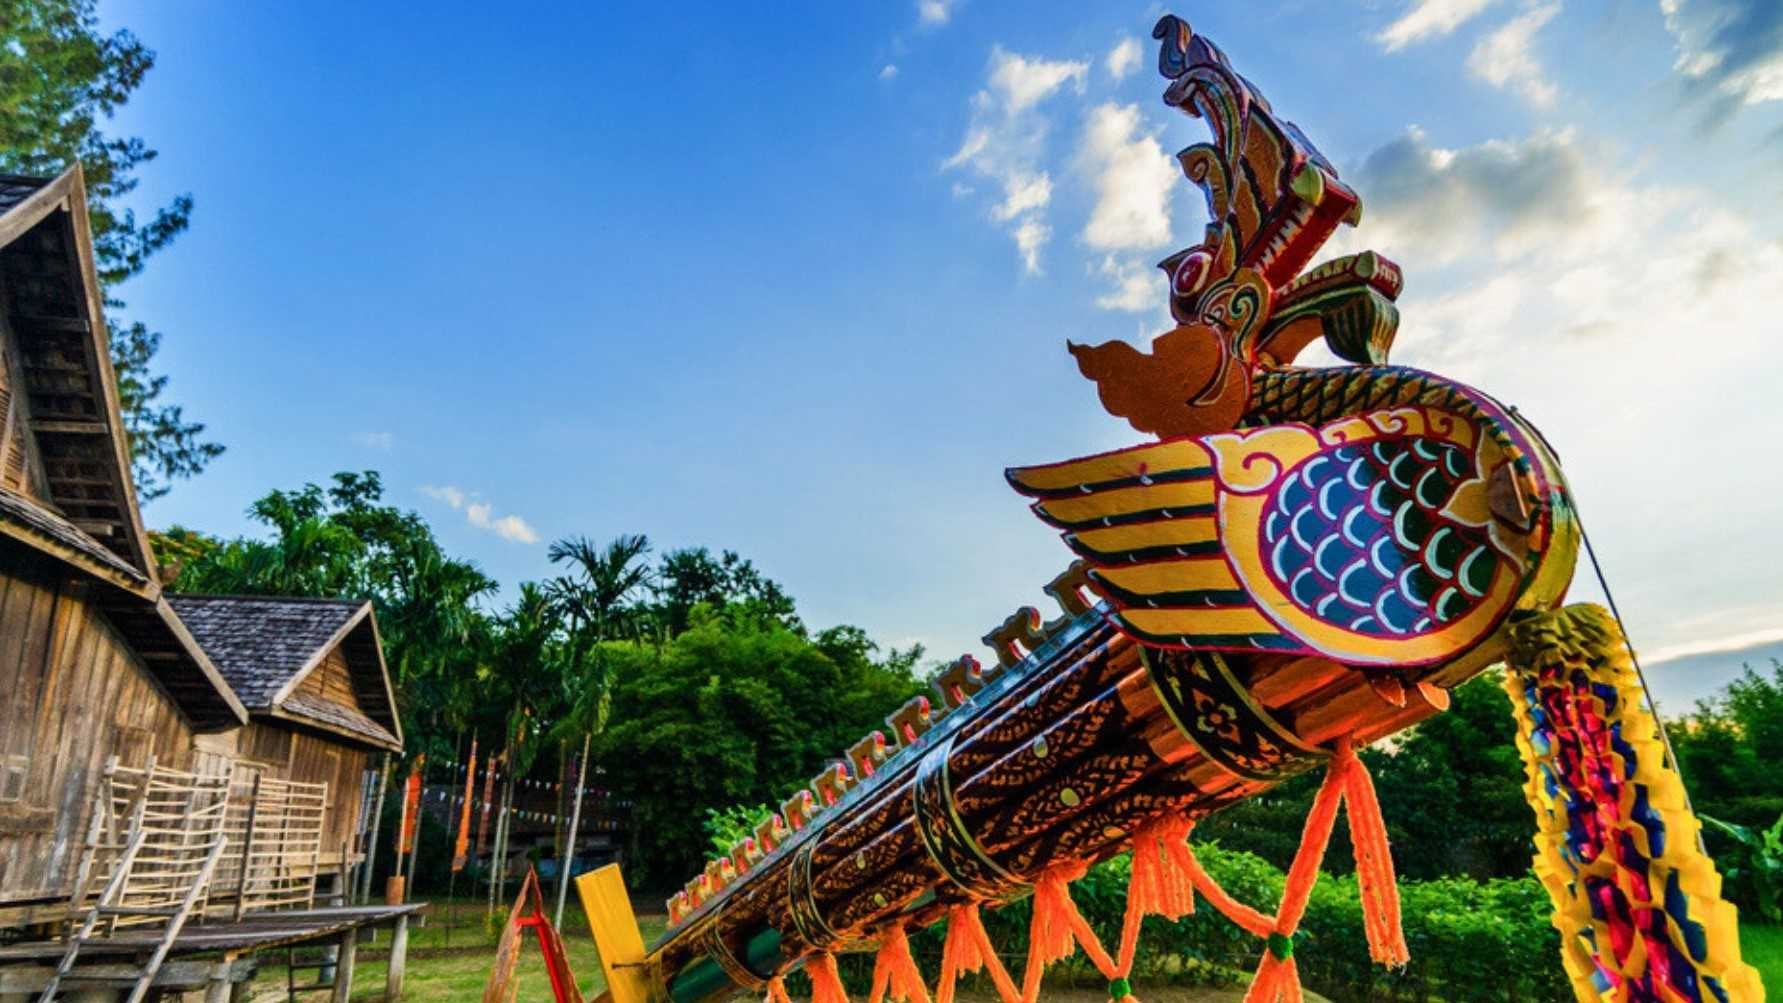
<point>616,935</point>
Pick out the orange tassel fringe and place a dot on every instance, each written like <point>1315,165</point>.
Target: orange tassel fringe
<point>1165,878</point>
<point>895,971</point>
<point>777,991</point>
<point>1375,880</point>
<point>826,981</point>
<point>968,949</point>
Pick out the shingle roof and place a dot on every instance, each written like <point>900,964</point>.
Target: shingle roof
<point>34,516</point>
<point>259,643</point>
<point>323,711</point>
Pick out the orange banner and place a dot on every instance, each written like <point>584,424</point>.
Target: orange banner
<point>464,814</point>
<point>488,798</point>
<point>411,809</point>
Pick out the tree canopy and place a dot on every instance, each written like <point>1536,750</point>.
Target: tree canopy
<point>60,79</point>
<point>695,674</point>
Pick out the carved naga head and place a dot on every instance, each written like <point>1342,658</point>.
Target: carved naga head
<point>1239,298</point>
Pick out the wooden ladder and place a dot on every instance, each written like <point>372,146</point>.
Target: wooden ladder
<point>114,902</point>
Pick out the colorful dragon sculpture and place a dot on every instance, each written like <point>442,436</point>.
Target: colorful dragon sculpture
<point>1302,561</point>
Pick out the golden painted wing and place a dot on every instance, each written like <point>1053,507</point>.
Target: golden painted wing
<point>1369,540</point>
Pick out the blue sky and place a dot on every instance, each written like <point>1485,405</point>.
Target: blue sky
<point>798,283</point>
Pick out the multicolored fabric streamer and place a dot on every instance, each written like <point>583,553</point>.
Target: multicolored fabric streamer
<point>1637,902</point>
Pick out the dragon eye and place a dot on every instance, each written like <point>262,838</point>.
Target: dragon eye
<point>1191,274</point>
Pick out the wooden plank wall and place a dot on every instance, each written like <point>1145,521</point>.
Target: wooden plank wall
<point>332,681</point>
<point>71,694</point>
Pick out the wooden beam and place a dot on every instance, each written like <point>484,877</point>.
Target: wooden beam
<point>27,214</point>
<point>54,427</point>
<point>73,325</point>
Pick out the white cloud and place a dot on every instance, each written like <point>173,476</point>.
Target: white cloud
<point>1023,192</point>
<point>1730,52</point>
<point>1633,322</point>
<point>450,495</point>
<point>889,71</point>
<point>1528,199</point>
<point>481,514</point>
<point>376,440</point>
<point>508,527</point>
<point>1005,142</point>
<point>1504,60</point>
<point>1030,236</point>
<point>1429,19</point>
<point>934,11</point>
<point>1133,181</point>
<point>1138,287</point>
<point>1023,82</point>
<point>1713,645</point>
<point>1124,58</point>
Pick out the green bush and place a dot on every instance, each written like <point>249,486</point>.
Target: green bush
<point>1753,867</point>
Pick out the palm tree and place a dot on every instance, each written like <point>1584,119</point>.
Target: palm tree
<point>600,599</point>
<point>601,591</point>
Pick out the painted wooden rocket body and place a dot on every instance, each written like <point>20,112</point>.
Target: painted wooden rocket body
<point>1302,555</point>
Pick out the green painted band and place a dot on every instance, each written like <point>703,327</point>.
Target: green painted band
<point>1281,945</point>
<point>1119,989</point>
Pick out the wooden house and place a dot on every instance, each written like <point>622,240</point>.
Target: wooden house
<point>94,663</point>
<point>311,674</point>
<point>152,792</point>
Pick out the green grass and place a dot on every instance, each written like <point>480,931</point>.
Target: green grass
<point>438,972</point>
<point>458,972</point>
<point>1762,948</point>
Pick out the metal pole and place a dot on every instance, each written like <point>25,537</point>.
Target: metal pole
<point>569,855</point>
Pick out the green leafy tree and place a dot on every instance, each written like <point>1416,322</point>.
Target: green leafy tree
<point>727,584</point>
<point>59,79</point>
<point>731,712</point>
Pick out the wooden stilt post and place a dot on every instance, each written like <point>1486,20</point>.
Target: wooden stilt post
<point>399,959</point>
<point>221,988</point>
<point>343,973</point>
<point>568,857</point>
